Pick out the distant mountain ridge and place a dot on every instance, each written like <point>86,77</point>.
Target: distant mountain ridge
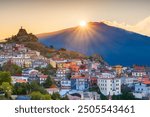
<point>115,45</point>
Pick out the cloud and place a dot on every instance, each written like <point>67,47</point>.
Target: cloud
<point>142,27</point>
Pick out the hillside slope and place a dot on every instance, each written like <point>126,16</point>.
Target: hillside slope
<point>31,41</point>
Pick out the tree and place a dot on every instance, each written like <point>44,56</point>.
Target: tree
<point>62,49</point>
<point>21,88</point>
<point>46,97</point>
<point>36,95</point>
<point>51,47</point>
<point>116,97</point>
<point>12,68</point>
<point>56,96</point>
<point>48,82</point>
<point>1,48</point>
<point>95,89</point>
<point>7,88</point>
<point>65,98</point>
<point>103,97</point>
<point>68,75</point>
<point>34,86</point>
<point>82,67</point>
<point>126,94</point>
<point>5,77</point>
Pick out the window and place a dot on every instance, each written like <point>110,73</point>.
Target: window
<point>117,80</point>
<point>82,83</point>
<point>117,84</point>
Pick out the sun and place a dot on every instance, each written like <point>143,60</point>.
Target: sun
<point>83,23</point>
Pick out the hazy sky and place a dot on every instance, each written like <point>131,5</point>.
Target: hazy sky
<point>39,16</point>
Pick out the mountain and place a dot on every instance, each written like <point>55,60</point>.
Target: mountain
<point>115,45</point>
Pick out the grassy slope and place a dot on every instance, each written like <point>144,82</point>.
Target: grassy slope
<point>47,52</point>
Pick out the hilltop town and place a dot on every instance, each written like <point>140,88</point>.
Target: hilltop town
<point>29,70</point>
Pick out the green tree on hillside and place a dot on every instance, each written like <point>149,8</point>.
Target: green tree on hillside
<point>56,96</point>
<point>126,94</point>
<point>34,86</point>
<point>36,95</point>
<point>48,82</point>
<point>51,47</point>
<point>12,68</point>
<point>5,77</point>
<point>62,49</point>
<point>7,88</point>
<point>21,88</point>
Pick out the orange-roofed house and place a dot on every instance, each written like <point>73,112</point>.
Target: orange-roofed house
<point>74,68</point>
<point>52,89</point>
<point>66,65</point>
<point>21,81</point>
<point>118,69</point>
<point>143,79</point>
<point>73,63</point>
